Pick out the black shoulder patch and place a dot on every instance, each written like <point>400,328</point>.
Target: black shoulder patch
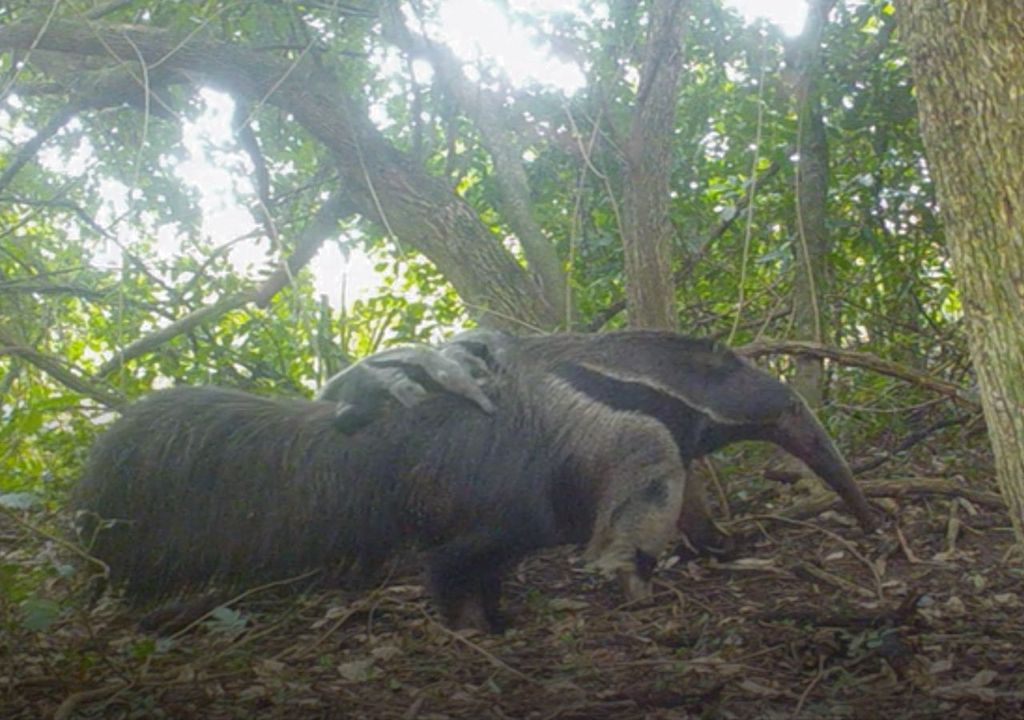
<point>683,421</point>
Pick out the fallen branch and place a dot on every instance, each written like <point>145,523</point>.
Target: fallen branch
<point>55,539</point>
<point>491,657</point>
<point>894,488</point>
<point>920,486</point>
<point>842,541</point>
<point>72,702</point>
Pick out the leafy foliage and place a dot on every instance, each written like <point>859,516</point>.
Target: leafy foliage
<point>140,211</point>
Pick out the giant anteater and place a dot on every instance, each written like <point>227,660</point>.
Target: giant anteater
<point>193,486</point>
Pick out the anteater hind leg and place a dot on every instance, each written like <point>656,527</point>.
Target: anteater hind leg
<point>464,578</point>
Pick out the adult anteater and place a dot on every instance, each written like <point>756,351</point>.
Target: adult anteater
<point>705,395</point>
<point>194,486</point>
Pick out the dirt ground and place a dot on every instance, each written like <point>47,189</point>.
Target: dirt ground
<point>813,619</point>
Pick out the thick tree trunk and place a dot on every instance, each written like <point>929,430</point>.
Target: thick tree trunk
<point>968,63</point>
<point>647,232</point>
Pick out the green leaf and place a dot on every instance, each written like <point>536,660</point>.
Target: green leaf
<point>39,613</point>
<point>225,620</point>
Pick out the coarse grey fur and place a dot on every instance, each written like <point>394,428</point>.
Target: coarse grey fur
<point>194,486</point>
<point>364,390</point>
<point>705,394</point>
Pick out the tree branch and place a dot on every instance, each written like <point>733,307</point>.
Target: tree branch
<point>314,234</point>
<point>908,442</point>
<point>26,152</point>
<point>323,224</point>
<point>154,340</point>
<point>60,372</point>
<point>61,203</point>
<point>863,360</point>
<point>27,286</point>
<point>107,92</point>
<point>384,184</point>
<point>261,176</point>
<point>107,8</point>
<point>898,488</point>
<point>681,275</point>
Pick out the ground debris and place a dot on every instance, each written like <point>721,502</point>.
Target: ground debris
<point>814,620</point>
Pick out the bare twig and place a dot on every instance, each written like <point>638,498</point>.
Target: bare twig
<point>150,342</point>
<point>72,701</point>
<point>486,108</point>
<point>900,487</point>
<point>261,176</point>
<point>242,595</point>
<point>836,581</point>
<point>690,263</point>
<point>908,442</point>
<point>56,539</point>
<point>323,224</point>
<point>818,677</point>
<point>27,151</point>
<point>748,225</point>
<point>723,500</point>
<point>105,9</point>
<point>842,541</point>
<point>492,658</point>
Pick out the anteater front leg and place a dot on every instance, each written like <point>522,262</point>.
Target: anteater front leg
<point>636,516</point>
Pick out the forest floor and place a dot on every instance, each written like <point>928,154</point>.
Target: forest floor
<point>812,620</point>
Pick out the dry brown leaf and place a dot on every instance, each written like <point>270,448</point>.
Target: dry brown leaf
<point>357,670</point>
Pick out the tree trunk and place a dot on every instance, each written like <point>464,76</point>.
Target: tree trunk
<point>968,63</point>
<point>810,249</point>
<point>647,232</point>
